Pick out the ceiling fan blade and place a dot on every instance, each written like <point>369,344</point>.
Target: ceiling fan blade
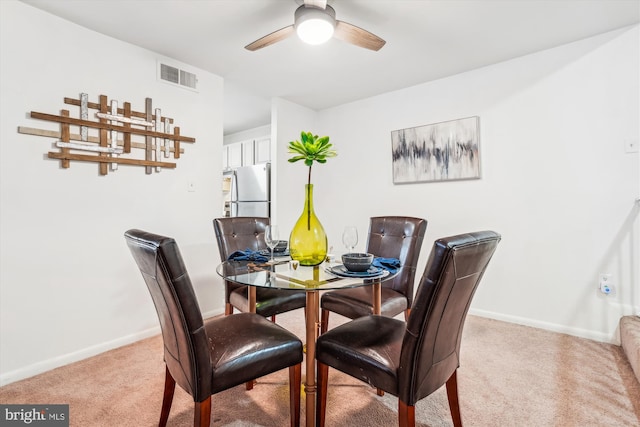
<point>357,36</point>
<point>270,39</point>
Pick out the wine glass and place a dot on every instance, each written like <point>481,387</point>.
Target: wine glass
<point>350,237</point>
<point>271,236</point>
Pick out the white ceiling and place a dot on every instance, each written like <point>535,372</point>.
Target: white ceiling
<point>426,40</point>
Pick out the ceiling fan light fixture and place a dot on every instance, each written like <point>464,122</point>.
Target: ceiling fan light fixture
<point>315,22</point>
<point>315,26</point>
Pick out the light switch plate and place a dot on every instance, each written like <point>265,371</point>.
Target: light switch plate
<point>631,145</point>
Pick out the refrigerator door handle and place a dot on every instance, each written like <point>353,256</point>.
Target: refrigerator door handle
<point>234,186</point>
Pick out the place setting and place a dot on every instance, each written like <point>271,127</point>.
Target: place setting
<point>361,264</point>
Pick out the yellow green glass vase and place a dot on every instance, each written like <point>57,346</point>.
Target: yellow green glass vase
<point>308,241</point>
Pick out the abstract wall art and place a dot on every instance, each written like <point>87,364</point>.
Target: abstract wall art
<point>109,140</point>
<point>442,151</point>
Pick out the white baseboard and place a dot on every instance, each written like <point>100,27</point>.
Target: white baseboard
<point>576,332</point>
<point>56,362</point>
<point>47,365</point>
<point>213,313</point>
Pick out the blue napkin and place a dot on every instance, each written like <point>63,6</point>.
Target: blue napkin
<point>248,255</point>
<point>392,265</point>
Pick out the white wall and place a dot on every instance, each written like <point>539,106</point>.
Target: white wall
<point>69,287</point>
<point>287,121</point>
<point>556,181</point>
<point>257,132</point>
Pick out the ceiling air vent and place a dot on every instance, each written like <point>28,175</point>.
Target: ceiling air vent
<point>176,76</point>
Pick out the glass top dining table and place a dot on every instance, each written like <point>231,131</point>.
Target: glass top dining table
<point>281,275</point>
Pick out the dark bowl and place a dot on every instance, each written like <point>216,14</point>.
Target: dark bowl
<point>281,246</point>
<point>357,261</point>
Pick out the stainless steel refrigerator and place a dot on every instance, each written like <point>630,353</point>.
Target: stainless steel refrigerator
<point>251,191</point>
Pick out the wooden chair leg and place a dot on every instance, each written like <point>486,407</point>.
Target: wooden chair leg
<point>202,416</point>
<point>295,378</point>
<point>228,309</point>
<point>321,390</point>
<point>406,415</point>
<point>169,388</point>
<point>452,395</point>
<point>324,321</point>
<point>273,318</point>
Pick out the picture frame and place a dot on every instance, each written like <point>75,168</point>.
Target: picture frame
<point>444,151</point>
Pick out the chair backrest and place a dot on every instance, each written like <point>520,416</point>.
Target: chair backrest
<point>239,233</point>
<point>431,345</point>
<point>398,237</point>
<point>186,348</point>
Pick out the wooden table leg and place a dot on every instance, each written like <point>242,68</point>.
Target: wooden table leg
<point>312,324</point>
<point>252,299</point>
<point>377,298</point>
<point>252,309</point>
<point>377,309</point>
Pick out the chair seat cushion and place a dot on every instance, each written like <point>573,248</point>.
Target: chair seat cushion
<point>358,302</point>
<point>269,302</point>
<point>247,346</point>
<point>367,348</point>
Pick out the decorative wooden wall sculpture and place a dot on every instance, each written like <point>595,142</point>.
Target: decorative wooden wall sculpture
<point>157,135</point>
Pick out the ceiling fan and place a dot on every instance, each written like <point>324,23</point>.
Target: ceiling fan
<point>315,22</point>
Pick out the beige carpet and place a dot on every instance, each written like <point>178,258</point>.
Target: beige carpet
<point>510,375</point>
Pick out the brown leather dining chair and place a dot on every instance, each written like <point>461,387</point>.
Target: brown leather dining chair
<point>241,233</point>
<point>389,237</point>
<point>413,359</point>
<point>205,358</point>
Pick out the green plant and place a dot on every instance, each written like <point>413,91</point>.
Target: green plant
<point>311,148</point>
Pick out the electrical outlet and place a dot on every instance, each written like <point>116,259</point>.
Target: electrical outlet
<point>605,283</point>
<point>191,186</point>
